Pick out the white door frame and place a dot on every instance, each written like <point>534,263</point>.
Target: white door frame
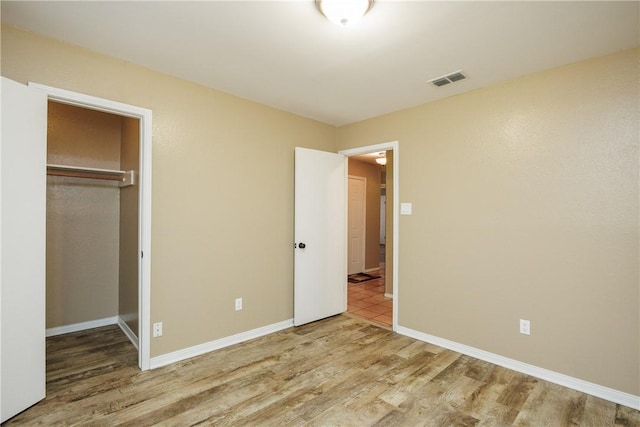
<point>363,245</point>
<point>393,145</point>
<point>144,219</point>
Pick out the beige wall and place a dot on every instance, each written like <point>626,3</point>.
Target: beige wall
<point>217,161</point>
<point>372,238</point>
<point>82,217</point>
<point>525,205</point>
<point>128,254</point>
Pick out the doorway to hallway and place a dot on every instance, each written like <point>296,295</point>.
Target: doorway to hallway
<point>370,289</point>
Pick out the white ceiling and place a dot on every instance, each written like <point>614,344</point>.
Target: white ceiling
<point>286,55</point>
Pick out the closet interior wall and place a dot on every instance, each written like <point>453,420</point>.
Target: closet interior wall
<point>92,225</point>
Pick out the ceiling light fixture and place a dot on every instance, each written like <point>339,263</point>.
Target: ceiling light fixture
<point>344,12</point>
<point>382,159</point>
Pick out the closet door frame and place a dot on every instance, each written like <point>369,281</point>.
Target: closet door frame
<point>144,219</point>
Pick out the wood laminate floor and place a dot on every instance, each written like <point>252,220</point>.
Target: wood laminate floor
<point>338,371</point>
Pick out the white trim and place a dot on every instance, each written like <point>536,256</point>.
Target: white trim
<point>144,221</point>
<point>388,296</point>
<point>393,145</point>
<point>197,350</point>
<point>91,102</point>
<point>597,390</point>
<point>369,270</point>
<point>144,236</point>
<point>128,332</point>
<point>75,327</point>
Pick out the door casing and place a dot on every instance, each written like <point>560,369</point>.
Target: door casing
<point>385,146</point>
<point>144,219</point>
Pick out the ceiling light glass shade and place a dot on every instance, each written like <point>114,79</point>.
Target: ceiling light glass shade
<point>344,12</point>
<point>381,161</point>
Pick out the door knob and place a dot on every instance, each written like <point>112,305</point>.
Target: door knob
<point>302,245</point>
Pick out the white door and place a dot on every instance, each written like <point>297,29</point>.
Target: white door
<point>320,235</point>
<point>356,224</point>
<point>23,178</point>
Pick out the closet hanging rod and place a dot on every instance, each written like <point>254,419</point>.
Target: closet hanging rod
<point>124,177</point>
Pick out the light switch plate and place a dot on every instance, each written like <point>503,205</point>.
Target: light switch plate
<point>405,208</point>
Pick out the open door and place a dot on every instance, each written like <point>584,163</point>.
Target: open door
<point>320,235</point>
<point>23,178</point>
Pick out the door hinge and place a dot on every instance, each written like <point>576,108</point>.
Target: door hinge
<point>141,254</point>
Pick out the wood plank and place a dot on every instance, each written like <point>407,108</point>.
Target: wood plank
<point>551,403</point>
<point>338,371</point>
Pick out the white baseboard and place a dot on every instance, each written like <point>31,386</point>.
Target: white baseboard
<point>197,350</point>
<point>90,324</point>
<point>128,332</point>
<point>597,390</point>
<point>388,296</point>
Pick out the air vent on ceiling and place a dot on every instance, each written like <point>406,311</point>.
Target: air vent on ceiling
<point>449,78</point>
<point>441,82</point>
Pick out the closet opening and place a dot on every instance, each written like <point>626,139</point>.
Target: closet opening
<point>98,241</point>
<point>92,229</point>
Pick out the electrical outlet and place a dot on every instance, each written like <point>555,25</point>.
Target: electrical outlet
<point>525,327</point>
<point>157,329</point>
<point>238,304</point>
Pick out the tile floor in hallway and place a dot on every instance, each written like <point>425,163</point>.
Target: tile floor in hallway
<point>367,300</point>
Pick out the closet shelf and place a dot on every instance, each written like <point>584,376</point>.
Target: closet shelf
<point>125,178</point>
